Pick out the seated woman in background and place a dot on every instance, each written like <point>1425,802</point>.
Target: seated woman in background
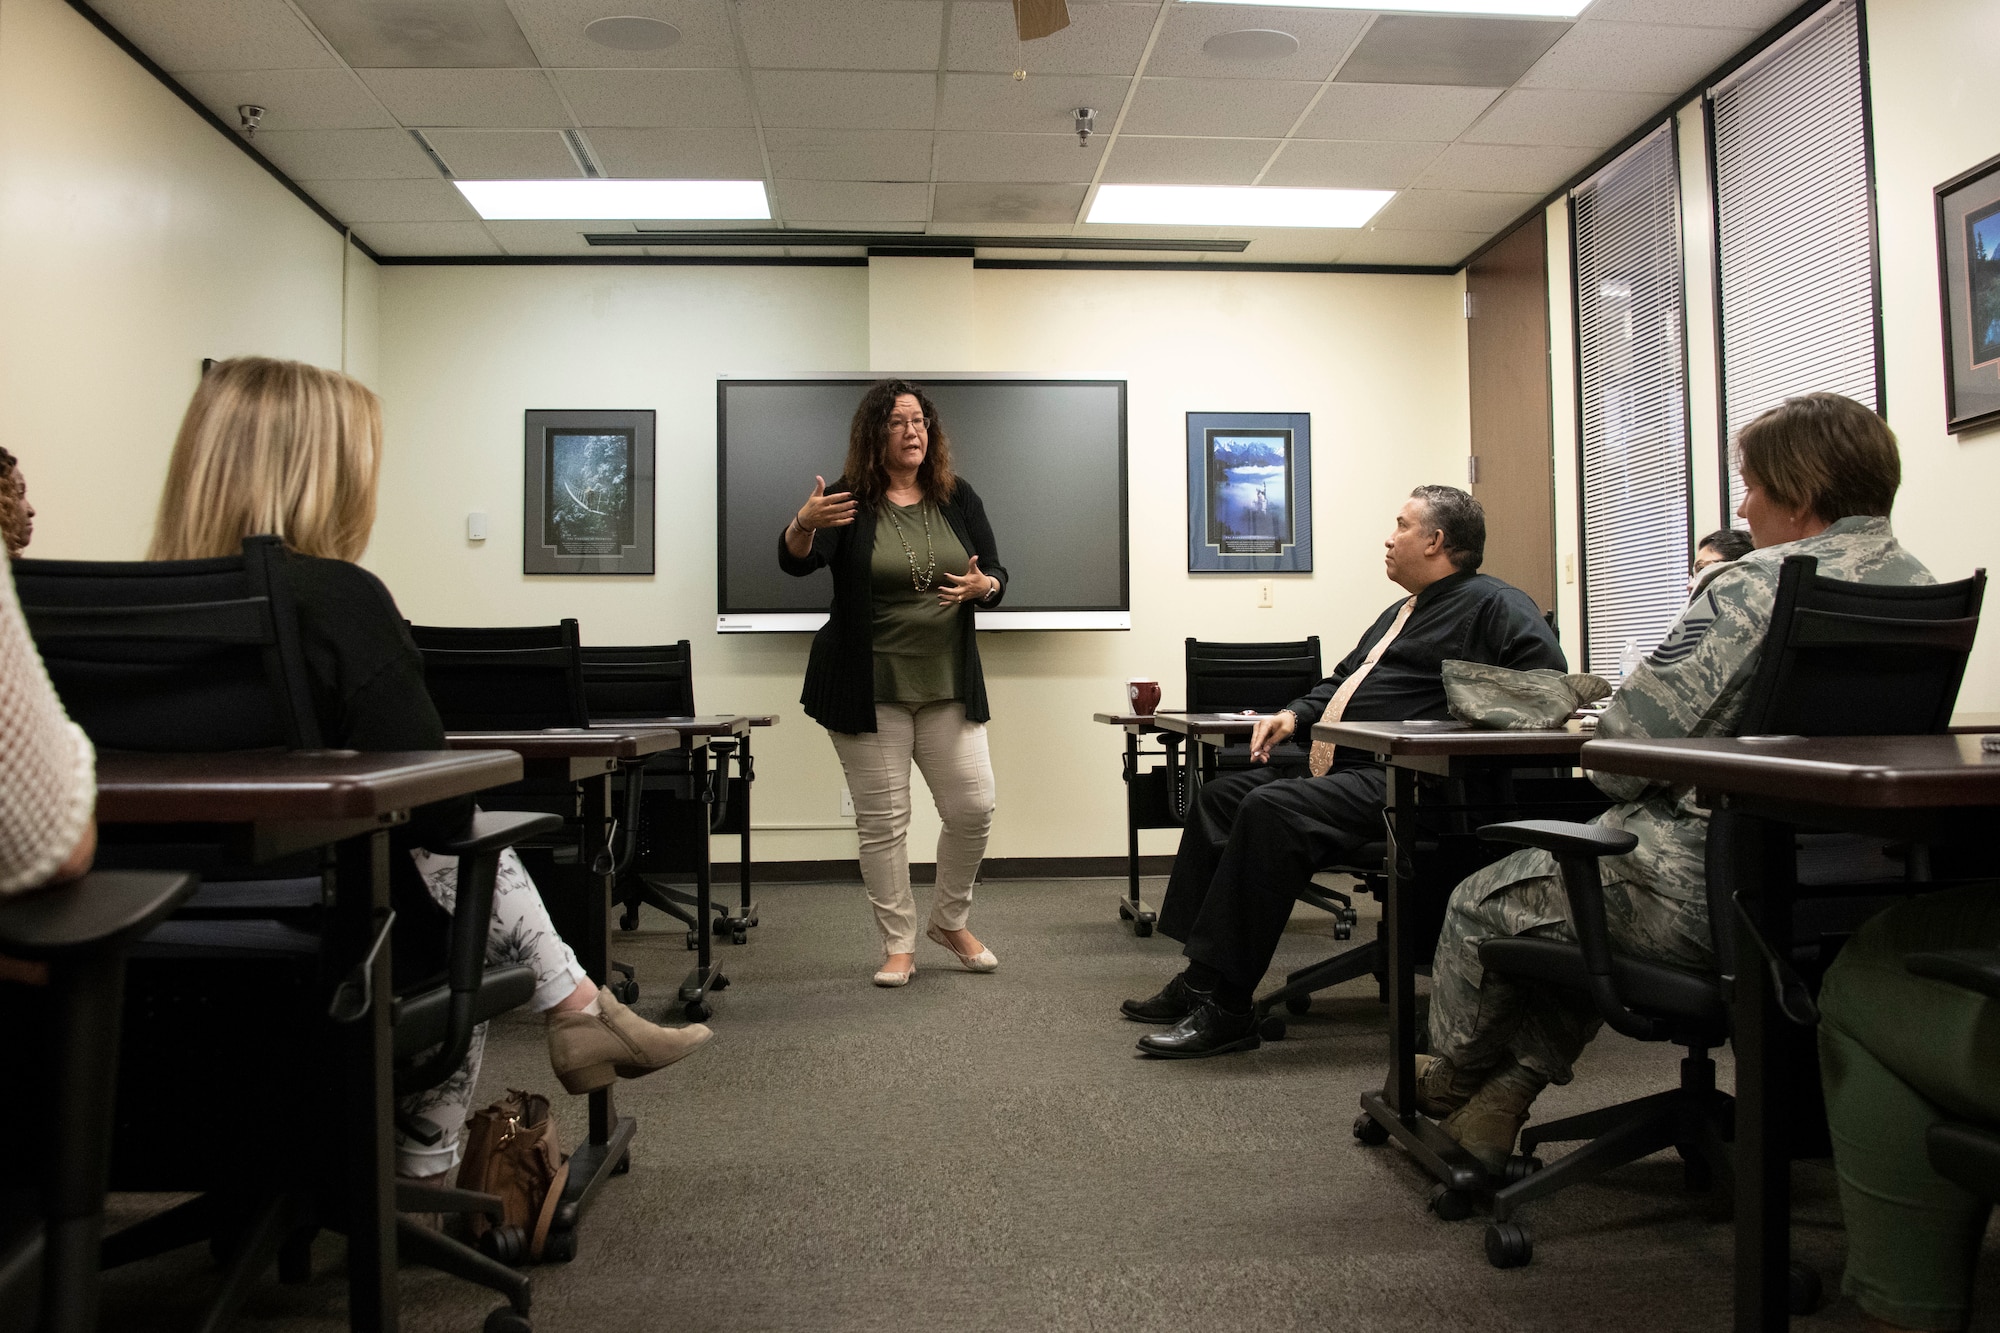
<point>289,449</point>
<point>17,516</point>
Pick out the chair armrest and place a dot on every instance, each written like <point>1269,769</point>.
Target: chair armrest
<point>105,909</point>
<point>1562,837</point>
<point>494,830</point>
<point>1974,969</point>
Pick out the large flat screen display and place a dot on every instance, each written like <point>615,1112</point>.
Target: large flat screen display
<point>1047,457</point>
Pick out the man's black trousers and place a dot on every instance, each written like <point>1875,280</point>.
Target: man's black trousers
<point>1253,840</point>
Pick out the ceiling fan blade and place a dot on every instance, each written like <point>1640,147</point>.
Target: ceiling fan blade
<point>1039,18</point>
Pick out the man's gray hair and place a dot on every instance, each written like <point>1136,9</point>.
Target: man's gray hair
<point>1461,519</point>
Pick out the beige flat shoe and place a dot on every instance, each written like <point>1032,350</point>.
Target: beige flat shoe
<point>983,961</point>
<point>888,978</point>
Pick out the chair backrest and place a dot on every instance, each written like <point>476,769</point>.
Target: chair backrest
<point>504,678</point>
<point>1229,677</point>
<point>174,655</point>
<point>1861,659</point>
<point>656,680</point>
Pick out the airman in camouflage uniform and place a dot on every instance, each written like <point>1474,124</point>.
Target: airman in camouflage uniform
<point>1695,684</point>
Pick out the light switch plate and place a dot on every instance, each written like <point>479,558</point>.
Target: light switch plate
<point>475,527</point>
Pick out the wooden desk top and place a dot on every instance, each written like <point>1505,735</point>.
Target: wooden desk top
<point>267,786</point>
<point>1201,726</point>
<point>1872,772</point>
<point>1973,723</point>
<point>612,741</point>
<point>1448,738</point>
<point>708,726</point>
<point>1139,723</point>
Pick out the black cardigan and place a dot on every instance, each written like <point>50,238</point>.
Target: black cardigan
<point>839,691</point>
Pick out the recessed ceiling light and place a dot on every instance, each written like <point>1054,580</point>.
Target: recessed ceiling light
<point>629,33</point>
<point>1235,206</point>
<point>1559,9</point>
<point>610,200</point>
<point>1251,44</point>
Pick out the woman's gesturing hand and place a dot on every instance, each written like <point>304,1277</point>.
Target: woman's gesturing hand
<point>973,587</point>
<point>824,511</point>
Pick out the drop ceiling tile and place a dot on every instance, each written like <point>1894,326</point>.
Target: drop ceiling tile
<point>1425,113</point>
<point>483,98</point>
<point>1222,108</point>
<point>1471,52</point>
<point>346,154</point>
<point>1323,38</point>
<point>850,155</point>
<point>218,34</point>
<point>427,238</point>
<point>853,34</point>
<point>834,100</point>
<point>519,155</point>
<point>1136,160</point>
<point>1634,57</point>
<point>678,154</point>
<point>1559,117</point>
<point>1337,164</point>
<point>1428,248</point>
<point>989,204</point>
<point>1100,39</point>
<point>994,103</point>
<point>1289,245</point>
<point>1756,15</point>
<point>864,226</point>
<point>434,34</point>
<point>293,99</point>
<point>555,29</point>
<point>552,238</point>
<point>1452,210</point>
<point>355,202</point>
<point>853,201</point>
<point>682,99</point>
<point>1017,157</point>
<point>1503,167</point>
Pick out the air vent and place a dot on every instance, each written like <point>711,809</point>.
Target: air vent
<point>580,150</point>
<point>437,160</point>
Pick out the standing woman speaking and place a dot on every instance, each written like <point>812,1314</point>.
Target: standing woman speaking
<point>894,674</point>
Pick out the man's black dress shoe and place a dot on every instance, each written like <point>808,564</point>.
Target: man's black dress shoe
<point>1209,1030</point>
<point>1174,1002</point>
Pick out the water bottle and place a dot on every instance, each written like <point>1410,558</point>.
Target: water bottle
<point>1629,660</point>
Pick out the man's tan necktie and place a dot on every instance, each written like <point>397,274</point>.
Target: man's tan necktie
<point>1321,759</point>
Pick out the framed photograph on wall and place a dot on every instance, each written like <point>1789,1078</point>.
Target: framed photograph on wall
<point>1249,492</point>
<point>588,500</point>
<point>1968,242</point>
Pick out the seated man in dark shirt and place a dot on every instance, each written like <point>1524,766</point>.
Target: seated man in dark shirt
<point>1256,836</point>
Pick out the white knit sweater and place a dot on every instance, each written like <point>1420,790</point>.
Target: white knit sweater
<point>48,777</point>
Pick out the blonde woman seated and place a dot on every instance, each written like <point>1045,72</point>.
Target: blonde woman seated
<point>285,448</point>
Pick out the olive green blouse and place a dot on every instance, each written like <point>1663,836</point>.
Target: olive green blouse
<point>916,639</point>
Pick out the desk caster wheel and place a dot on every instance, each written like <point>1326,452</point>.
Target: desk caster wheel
<point>720,983</point>
<point>1142,928</point>
<point>626,992</point>
<point>1298,1004</point>
<point>1449,1204</point>
<point>506,1320</point>
<point>1519,1168</point>
<point>623,1166</point>
<point>693,940</point>
<point>739,937</point>
<point>719,926</point>
<point>508,1245</point>
<point>1802,1294</point>
<point>696,1011</point>
<point>629,918</point>
<point>1369,1132</point>
<point>559,1247</point>
<point>1272,1028</point>
<point>1342,931</point>
<point>1509,1245</point>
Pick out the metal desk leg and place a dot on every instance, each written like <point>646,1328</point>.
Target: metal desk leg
<point>1131,907</point>
<point>1762,869</point>
<point>706,976</point>
<point>1392,1113</point>
<point>361,879</point>
<point>746,914</point>
<point>603,1154</point>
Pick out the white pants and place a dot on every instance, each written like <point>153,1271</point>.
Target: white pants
<point>521,932</point>
<point>951,753</point>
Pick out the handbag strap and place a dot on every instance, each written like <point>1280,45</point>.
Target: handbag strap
<point>548,1216</point>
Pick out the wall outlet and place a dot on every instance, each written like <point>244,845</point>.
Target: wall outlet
<point>1267,594</point>
<point>846,803</point>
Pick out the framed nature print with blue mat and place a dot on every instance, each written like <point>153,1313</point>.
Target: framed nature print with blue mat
<point>1968,240</point>
<point>1249,492</point>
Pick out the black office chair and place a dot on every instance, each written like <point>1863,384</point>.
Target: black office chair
<point>1840,659</point>
<point>652,682</point>
<point>204,655</point>
<point>504,678</point>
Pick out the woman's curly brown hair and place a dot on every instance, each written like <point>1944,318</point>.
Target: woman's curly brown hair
<point>865,473</point>
<point>15,525</point>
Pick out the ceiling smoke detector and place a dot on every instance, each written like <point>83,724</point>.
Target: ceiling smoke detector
<point>631,33</point>
<point>249,116</point>
<point>1086,123</point>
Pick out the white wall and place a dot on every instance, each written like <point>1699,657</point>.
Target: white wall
<point>134,242</point>
<point>1379,362</point>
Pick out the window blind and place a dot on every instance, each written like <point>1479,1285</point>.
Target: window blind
<point>1632,400</point>
<point>1797,282</point>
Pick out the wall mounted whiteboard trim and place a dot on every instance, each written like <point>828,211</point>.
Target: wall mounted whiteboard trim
<point>787,622</point>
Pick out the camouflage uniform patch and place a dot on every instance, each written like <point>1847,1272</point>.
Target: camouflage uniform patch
<point>1695,684</point>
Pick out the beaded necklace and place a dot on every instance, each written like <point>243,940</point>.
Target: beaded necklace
<point>921,582</point>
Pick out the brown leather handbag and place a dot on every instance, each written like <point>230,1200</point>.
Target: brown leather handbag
<point>511,1152</point>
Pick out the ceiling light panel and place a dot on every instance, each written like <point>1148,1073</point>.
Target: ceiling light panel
<point>1560,9</point>
<point>1235,206</point>
<point>617,199</point>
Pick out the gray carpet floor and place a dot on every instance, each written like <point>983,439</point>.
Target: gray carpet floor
<point>988,1152</point>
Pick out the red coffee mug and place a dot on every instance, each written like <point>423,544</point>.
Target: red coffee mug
<point>1144,696</point>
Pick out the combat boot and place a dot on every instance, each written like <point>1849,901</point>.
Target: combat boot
<point>1442,1087</point>
<point>1491,1119</point>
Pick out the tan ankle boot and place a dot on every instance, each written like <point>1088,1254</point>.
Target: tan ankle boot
<point>1443,1087</point>
<point>587,1051</point>
<point>1491,1119</point>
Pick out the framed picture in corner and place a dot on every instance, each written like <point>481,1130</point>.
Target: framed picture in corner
<point>1249,492</point>
<point>587,502</point>
<point>1968,243</point>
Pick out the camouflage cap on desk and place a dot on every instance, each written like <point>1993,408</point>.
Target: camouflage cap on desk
<point>1504,700</point>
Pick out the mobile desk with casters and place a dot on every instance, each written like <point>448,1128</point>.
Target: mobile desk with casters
<point>586,757</point>
<point>1154,798</point>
